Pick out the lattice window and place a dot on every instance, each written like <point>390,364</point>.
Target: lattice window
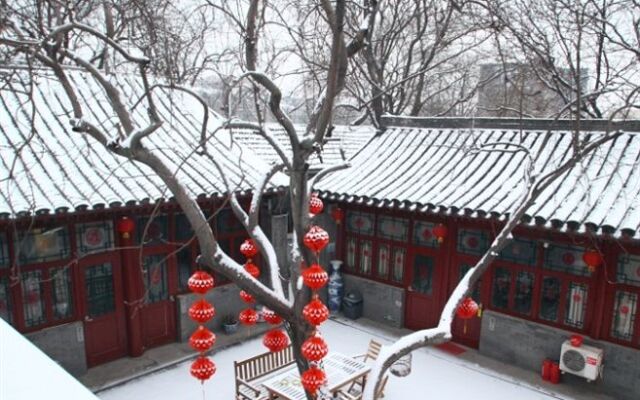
<point>33,298</point>
<point>422,274</point>
<point>399,257</point>
<point>550,298</point>
<point>629,269</point>
<point>472,241</point>
<point>183,228</point>
<point>5,301</point>
<point>501,285</point>
<point>464,268</point>
<point>384,255</point>
<point>153,231</point>
<point>423,234</point>
<point>184,268</point>
<point>365,257</point>
<point>361,223</point>
<point>94,237</point>
<point>393,228</point>
<point>576,306</point>
<point>4,251</point>
<point>520,251</point>
<point>351,254</point>
<point>624,315</point>
<point>42,245</point>
<point>524,292</point>
<point>566,259</point>
<point>155,278</point>
<point>61,289</point>
<point>98,281</point>
<point>227,223</point>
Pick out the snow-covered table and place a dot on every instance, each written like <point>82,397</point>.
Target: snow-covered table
<point>341,371</point>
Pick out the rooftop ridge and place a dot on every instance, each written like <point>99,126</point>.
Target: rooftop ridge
<point>510,123</point>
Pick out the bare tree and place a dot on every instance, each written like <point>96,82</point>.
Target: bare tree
<point>555,40</point>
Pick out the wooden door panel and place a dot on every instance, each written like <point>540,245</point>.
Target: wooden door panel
<point>104,325</point>
<point>158,312</point>
<point>422,299</point>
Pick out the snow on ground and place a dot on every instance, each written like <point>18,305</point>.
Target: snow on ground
<point>435,374</point>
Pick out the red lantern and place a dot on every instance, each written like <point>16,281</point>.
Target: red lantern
<point>202,339</point>
<point>337,214</point>
<point>440,232</point>
<point>275,340</point>
<point>315,312</point>
<point>203,368</point>
<point>201,311</point>
<point>246,297</point>
<point>271,317</point>
<point>312,379</point>
<point>315,348</point>
<point>592,258</point>
<point>249,249</point>
<point>252,269</point>
<point>316,238</point>
<point>315,277</point>
<point>125,226</point>
<point>200,282</point>
<point>315,205</point>
<point>467,309</point>
<point>248,317</point>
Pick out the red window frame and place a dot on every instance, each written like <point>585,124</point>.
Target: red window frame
<point>376,241</point>
<point>612,287</point>
<point>540,272</point>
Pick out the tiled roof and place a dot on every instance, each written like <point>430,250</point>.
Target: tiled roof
<point>350,139</point>
<point>431,169</point>
<point>52,168</point>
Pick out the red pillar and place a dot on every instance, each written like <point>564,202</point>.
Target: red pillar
<point>133,286</point>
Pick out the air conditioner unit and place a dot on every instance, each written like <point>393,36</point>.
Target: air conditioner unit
<point>584,361</point>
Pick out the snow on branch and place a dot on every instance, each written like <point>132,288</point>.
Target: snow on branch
<point>326,171</point>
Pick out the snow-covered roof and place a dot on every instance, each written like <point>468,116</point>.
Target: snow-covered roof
<point>348,139</point>
<point>27,373</point>
<point>434,169</point>
<point>50,168</point>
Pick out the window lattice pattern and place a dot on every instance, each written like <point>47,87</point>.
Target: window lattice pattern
<point>576,306</point>
<point>5,301</point>
<point>629,269</point>
<point>550,298</point>
<point>153,231</point>
<point>32,298</point>
<point>393,228</point>
<point>472,241</point>
<point>624,315</point>
<point>62,297</point>
<point>423,234</point>
<point>399,256</point>
<point>566,259</point>
<point>155,278</point>
<point>4,251</point>
<point>361,223</point>
<point>42,245</point>
<point>520,251</point>
<point>99,287</point>
<point>94,237</point>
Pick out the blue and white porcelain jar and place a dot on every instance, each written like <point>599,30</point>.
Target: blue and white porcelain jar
<point>336,286</point>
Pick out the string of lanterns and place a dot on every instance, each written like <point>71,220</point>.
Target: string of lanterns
<point>275,339</point>
<point>202,340</point>
<point>314,349</point>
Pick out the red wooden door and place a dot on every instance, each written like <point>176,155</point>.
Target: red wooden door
<point>105,334</point>
<point>423,303</point>
<point>466,332</point>
<point>158,312</point>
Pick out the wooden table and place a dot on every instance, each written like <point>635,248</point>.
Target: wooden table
<point>341,371</point>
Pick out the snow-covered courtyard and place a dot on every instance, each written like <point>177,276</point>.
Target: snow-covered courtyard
<point>435,374</point>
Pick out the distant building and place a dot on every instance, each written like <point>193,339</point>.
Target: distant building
<point>514,90</point>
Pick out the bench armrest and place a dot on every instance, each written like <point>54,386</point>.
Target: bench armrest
<point>242,382</point>
<point>340,395</point>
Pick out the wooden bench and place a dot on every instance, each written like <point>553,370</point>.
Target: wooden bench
<point>250,373</point>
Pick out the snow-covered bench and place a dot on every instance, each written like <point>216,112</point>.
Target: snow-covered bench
<point>250,373</point>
